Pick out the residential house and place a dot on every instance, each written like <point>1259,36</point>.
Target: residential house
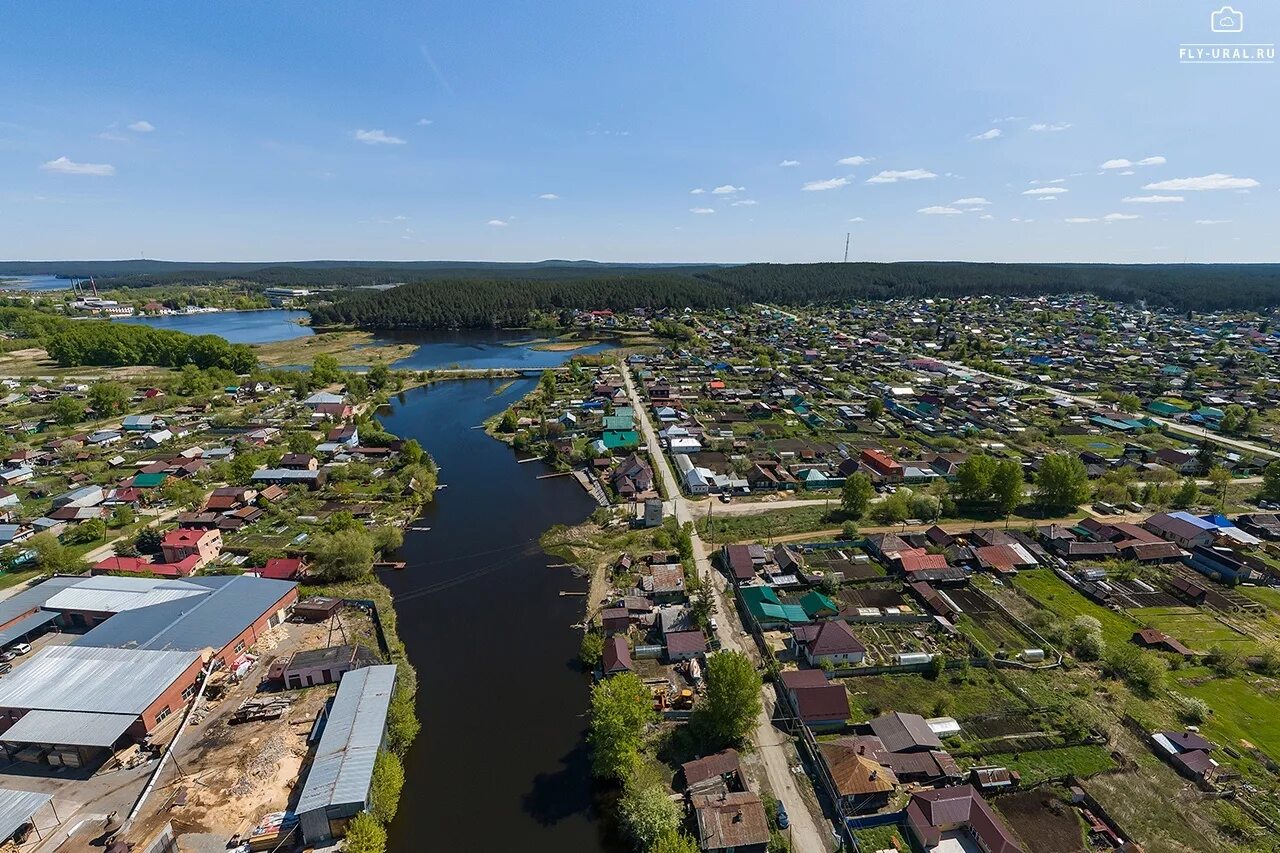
<point>831,643</point>
<point>617,656</point>
<point>179,544</point>
<point>733,822</point>
<point>945,818</point>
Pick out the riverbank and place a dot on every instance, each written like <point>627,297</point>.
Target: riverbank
<point>350,348</point>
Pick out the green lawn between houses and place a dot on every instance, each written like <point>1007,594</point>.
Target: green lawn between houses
<point>1039,765</point>
<point>1197,629</point>
<point>1056,595</point>
<point>965,697</point>
<point>1242,711</point>
<point>878,838</point>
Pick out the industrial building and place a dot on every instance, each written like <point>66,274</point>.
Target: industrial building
<point>337,785</point>
<point>138,662</point>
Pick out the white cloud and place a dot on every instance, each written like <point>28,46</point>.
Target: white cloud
<point>939,210</point>
<point>986,216</point>
<point>549,197</point>
<point>745,202</point>
<point>1121,163</point>
<point>1050,127</point>
<point>1212,221</point>
<point>989,134</point>
<point>1216,181</point>
<point>1076,220</point>
<point>828,184</point>
<point>142,127</point>
<point>1047,198</point>
<point>423,122</point>
<point>788,163</point>
<point>1152,199</point>
<point>857,219</point>
<point>697,191</point>
<point>855,160</point>
<point>1120,217</point>
<point>1005,119</point>
<point>1046,191</point>
<point>377,137</point>
<point>702,211</point>
<point>727,189</point>
<point>497,223</point>
<point>65,166</point>
<point>892,177</point>
<point>962,202</point>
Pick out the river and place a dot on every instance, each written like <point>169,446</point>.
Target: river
<point>501,763</point>
<point>238,327</point>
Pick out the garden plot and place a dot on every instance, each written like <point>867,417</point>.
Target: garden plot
<point>873,597</point>
<point>1133,594</point>
<point>989,626</point>
<point>844,560</point>
<point>885,642</point>
<point>1198,630</point>
<point>1043,821</point>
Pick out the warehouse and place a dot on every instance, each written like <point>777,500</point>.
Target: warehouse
<point>337,786</point>
<point>68,703</point>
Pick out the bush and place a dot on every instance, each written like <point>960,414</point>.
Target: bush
<point>384,789</point>
<point>592,649</point>
<point>365,835</point>
<point>402,719</point>
<point>1191,710</point>
<point>648,814</point>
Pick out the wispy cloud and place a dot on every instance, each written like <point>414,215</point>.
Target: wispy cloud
<point>377,137</point>
<point>423,122</point>
<point>549,197</point>
<point>939,210</point>
<point>1050,126</point>
<point>855,160</point>
<point>1046,191</point>
<point>1152,199</point>
<point>727,189</point>
<point>1121,163</point>
<point>66,166</point>
<point>1006,119</point>
<point>828,184</point>
<point>988,134</point>
<point>435,69</point>
<point>1120,217</point>
<point>497,223</point>
<point>857,219</point>
<point>745,202</point>
<point>702,211</point>
<point>970,202</point>
<point>1078,220</point>
<point>1212,221</point>
<point>789,163</point>
<point>892,177</point>
<point>1216,181</point>
<point>142,127</point>
<point>697,191</point>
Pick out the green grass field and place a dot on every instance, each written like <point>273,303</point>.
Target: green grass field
<point>881,838</point>
<point>979,693</point>
<point>1268,595</point>
<point>1241,711</point>
<point>1036,767</point>
<point>744,528</point>
<point>1055,595</point>
<point>1197,629</point>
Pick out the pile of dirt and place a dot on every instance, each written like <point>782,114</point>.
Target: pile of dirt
<point>262,765</point>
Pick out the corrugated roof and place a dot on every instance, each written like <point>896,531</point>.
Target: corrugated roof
<point>110,594</point>
<point>17,807</point>
<point>25,625</point>
<point>343,766</point>
<point>24,602</point>
<point>211,617</point>
<point>72,728</point>
<point>82,678</point>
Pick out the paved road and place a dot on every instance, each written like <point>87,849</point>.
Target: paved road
<point>1174,426</point>
<point>807,834</point>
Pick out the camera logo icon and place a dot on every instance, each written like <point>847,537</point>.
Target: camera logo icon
<point>1226,20</point>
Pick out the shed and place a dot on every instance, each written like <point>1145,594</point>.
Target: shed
<point>18,808</point>
<point>337,786</point>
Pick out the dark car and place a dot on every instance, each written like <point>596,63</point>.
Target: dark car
<point>5,668</point>
<point>783,820</point>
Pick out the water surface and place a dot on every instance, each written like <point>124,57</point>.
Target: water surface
<point>479,348</point>
<point>500,764</point>
<point>238,327</point>
<point>35,282</point>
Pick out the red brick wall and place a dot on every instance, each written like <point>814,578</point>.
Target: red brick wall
<point>250,635</point>
<point>172,697</point>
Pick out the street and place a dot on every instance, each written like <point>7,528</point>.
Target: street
<point>806,834</point>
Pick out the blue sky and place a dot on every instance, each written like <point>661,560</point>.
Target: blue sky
<point>524,131</point>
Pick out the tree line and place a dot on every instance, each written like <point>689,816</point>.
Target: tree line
<point>103,343</point>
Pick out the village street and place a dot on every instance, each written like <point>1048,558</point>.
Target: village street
<point>773,747</point>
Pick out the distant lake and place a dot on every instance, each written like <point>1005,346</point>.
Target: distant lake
<point>238,327</point>
<point>479,348</point>
<point>34,282</point>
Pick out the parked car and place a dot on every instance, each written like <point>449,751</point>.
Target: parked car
<point>20,648</point>
<point>5,668</point>
<point>714,626</point>
<point>725,497</point>
<point>5,657</point>
<point>783,820</point>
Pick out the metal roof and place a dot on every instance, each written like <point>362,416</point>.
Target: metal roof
<point>343,766</point>
<point>218,611</point>
<point>33,597</point>
<point>71,728</point>
<point>83,678</point>
<point>16,808</point>
<point>26,625</point>
<point>110,594</point>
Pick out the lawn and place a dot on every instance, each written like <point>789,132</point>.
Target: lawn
<point>1037,766</point>
<point>761,526</point>
<point>1053,593</point>
<point>8,579</point>
<point>1268,595</point>
<point>974,695</point>
<point>1197,629</point>
<point>1242,711</point>
<point>879,838</point>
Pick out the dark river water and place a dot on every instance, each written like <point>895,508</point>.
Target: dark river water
<point>500,764</point>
